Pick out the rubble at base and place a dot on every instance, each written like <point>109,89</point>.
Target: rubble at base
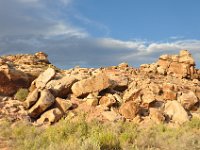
<point>167,91</point>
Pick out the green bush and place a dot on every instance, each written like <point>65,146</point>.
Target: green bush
<point>21,94</point>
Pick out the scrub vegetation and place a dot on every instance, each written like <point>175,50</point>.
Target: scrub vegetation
<point>68,135</point>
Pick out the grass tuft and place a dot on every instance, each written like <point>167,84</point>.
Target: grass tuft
<point>21,94</point>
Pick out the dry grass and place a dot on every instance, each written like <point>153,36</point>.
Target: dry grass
<point>67,135</point>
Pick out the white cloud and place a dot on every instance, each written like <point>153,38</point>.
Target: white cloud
<point>114,43</point>
<point>35,17</point>
<point>66,29</point>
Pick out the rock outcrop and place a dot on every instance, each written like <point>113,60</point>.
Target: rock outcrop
<point>167,91</point>
<point>18,71</point>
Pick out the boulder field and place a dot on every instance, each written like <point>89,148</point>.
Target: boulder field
<point>167,91</point>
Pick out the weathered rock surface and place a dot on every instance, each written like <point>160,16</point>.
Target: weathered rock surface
<point>50,116</point>
<point>176,112</point>
<point>12,110</point>
<point>92,100</point>
<point>31,99</point>
<point>63,104</point>
<point>18,71</point>
<point>129,110</point>
<point>46,100</point>
<point>188,99</point>
<point>107,100</point>
<point>61,87</point>
<point>156,115</point>
<point>181,65</point>
<point>167,91</point>
<point>44,78</point>
<point>93,84</point>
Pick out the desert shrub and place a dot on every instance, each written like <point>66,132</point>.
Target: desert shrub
<point>21,94</point>
<point>68,135</point>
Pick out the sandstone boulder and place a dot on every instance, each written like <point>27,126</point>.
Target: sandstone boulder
<point>132,93</point>
<point>156,115</point>
<point>45,101</point>
<point>18,71</point>
<point>129,110</point>
<point>169,92</point>
<point>93,84</point>
<point>61,87</point>
<point>50,116</point>
<point>107,100</point>
<point>181,65</point>
<point>148,96</point>
<point>11,80</point>
<point>44,78</point>
<point>185,57</point>
<point>63,104</point>
<point>188,99</point>
<point>119,80</point>
<point>31,99</point>
<point>92,100</point>
<point>179,69</point>
<point>176,112</point>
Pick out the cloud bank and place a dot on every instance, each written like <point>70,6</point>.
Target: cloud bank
<point>28,26</point>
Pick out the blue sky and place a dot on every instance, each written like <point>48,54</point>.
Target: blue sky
<point>93,33</point>
<point>143,19</point>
